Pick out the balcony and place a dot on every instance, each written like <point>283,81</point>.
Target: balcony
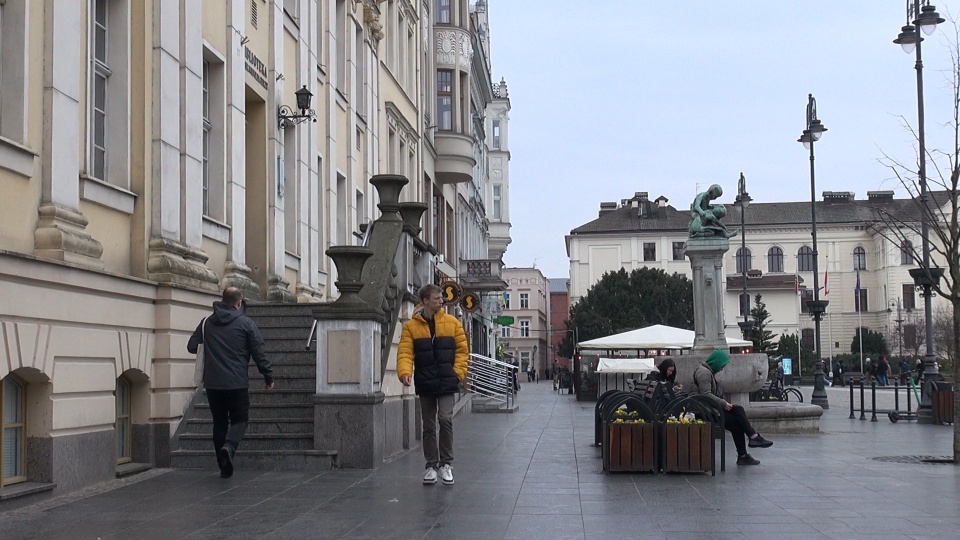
<point>455,161</point>
<point>482,275</point>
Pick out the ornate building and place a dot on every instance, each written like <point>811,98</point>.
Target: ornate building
<point>153,152</point>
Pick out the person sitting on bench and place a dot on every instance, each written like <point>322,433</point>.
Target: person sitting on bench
<point>735,417</point>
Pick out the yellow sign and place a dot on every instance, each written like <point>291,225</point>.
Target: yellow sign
<point>451,292</point>
<point>470,302</point>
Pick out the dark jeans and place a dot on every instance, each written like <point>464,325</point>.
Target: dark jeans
<point>436,411</point>
<point>230,409</point>
<point>738,426</point>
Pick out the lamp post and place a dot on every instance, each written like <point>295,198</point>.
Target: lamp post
<point>816,307</point>
<point>743,201</point>
<point>924,278</point>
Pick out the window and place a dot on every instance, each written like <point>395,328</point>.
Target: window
<point>340,35</point>
<point>321,35</point>
<point>678,251</point>
<point>504,331</point>
<point>13,427</point>
<point>448,218</point>
<point>436,218</point>
<point>292,8</point>
<point>524,360</point>
<point>859,258</point>
<point>14,93</point>
<point>744,304</point>
<point>291,192</point>
<point>213,142</point>
<point>805,259</point>
<point>649,251</point>
<point>524,328</point>
<point>341,210</point>
<point>496,134</point>
<point>445,99</point>
<point>744,260</point>
<point>443,12</point>
<point>207,128</point>
<point>910,336</point>
<point>774,260</point>
<point>806,339</point>
<point>524,300</point>
<point>506,300</point>
<point>98,102</point>
<point>122,426</point>
<point>860,300</point>
<point>497,202</point>
<point>358,78</point>
<point>360,210</point>
<point>906,252</point>
<point>806,295</point>
<point>909,301</point>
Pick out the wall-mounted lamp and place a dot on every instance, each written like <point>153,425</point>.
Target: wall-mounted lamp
<point>288,116</point>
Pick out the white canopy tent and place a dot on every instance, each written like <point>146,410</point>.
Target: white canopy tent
<point>657,336</point>
<point>639,366</point>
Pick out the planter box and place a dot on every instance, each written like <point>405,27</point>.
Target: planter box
<point>687,448</point>
<point>629,448</point>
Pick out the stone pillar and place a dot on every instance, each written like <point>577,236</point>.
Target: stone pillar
<point>706,260</point>
<point>60,229</point>
<point>349,411</point>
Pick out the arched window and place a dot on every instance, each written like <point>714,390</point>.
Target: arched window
<point>744,260</point>
<point>859,258</point>
<point>805,259</point>
<point>906,252</point>
<point>13,402</point>
<point>774,260</point>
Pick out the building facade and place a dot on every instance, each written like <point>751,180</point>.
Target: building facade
<point>559,315</point>
<point>864,265</point>
<point>527,301</point>
<point>155,152</point>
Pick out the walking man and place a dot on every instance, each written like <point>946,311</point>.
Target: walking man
<point>705,382</point>
<point>229,339</point>
<point>433,356</point>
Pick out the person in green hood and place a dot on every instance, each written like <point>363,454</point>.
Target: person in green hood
<point>705,383</point>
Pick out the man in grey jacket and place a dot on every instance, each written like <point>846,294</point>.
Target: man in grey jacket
<point>230,339</point>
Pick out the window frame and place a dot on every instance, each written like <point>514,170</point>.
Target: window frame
<point>861,300</point>
<point>649,250</point>
<point>444,12</point>
<point>805,259</point>
<point>775,260</point>
<point>524,328</point>
<point>859,258</point>
<point>524,300</point>
<point>909,296</point>
<point>906,253</point>
<point>743,256</point>
<point>19,424</point>
<point>123,425</point>
<point>445,102</point>
<point>679,251</point>
<point>99,88</point>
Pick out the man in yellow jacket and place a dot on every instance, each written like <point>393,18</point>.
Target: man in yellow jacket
<point>433,356</point>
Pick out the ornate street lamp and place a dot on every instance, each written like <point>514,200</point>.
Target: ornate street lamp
<point>743,201</point>
<point>286,116</point>
<point>816,307</point>
<point>924,278</point>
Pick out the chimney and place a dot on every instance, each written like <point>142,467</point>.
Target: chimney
<point>880,195</point>
<point>661,207</point>
<point>607,207</point>
<point>834,197</point>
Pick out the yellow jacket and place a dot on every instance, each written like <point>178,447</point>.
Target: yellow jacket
<point>438,363</point>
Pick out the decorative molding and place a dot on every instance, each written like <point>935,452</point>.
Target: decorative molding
<point>60,235</point>
<point>172,263</point>
<point>454,48</point>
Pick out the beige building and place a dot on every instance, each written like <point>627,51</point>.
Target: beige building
<point>638,232</point>
<point>527,301</point>
<point>153,152</point>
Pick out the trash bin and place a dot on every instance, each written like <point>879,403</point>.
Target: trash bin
<point>941,398</point>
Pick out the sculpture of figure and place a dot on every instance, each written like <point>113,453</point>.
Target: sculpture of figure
<point>705,217</point>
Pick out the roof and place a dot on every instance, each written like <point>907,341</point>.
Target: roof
<point>837,210</point>
<point>657,336</point>
<point>559,285</point>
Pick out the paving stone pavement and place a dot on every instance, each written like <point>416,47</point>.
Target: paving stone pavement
<point>534,474</point>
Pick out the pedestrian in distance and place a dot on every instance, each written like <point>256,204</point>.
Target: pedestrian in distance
<point>433,356</point>
<point>705,383</point>
<point>230,339</point>
<point>883,368</point>
<point>838,373</point>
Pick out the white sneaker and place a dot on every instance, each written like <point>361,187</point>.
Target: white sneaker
<point>446,475</point>
<point>430,476</point>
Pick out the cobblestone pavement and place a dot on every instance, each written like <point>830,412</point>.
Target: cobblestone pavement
<point>534,474</point>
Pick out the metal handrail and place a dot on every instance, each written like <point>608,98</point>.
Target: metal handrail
<point>491,378</point>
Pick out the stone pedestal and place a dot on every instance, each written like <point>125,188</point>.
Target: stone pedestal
<point>744,374</point>
<point>706,261</point>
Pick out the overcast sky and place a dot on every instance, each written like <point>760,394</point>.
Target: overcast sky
<point>610,98</point>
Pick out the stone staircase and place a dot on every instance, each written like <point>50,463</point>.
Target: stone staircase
<point>280,433</point>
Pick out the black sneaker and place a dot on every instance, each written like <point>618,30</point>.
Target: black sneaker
<point>747,459</point>
<point>226,456</point>
<point>759,442</point>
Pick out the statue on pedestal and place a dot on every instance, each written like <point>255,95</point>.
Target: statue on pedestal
<point>705,217</point>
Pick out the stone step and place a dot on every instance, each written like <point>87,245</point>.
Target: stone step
<point>252,441</point>
<point>287,345</point>
<point>266,460</point>
<point>262,310</point>
<point>282,396</point>
<point>305,370</point>
<point>201,411</point>
<point>286,332</point>
<point>257,425</point>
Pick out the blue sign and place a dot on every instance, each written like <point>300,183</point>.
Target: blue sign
<point>787,365</point>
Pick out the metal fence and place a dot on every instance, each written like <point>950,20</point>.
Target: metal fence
<point>492,378</point>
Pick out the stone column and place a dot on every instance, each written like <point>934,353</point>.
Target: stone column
<point>60,229</point>
<point>706,260</point>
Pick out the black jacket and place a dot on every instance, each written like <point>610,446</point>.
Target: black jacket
<point>230,339</point>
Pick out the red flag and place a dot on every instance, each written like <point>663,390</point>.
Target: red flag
<point>826,282</point>
<point>796,284</point>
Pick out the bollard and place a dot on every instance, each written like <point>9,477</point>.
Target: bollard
<point>863,415</point>
<point>852,416</point>
<point>896,395</point>
<point>909,399</point>
<point>873,397</point>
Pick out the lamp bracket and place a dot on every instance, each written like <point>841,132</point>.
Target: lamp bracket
<point>288,116</point>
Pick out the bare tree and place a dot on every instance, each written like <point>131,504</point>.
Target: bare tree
<point>939,208</point>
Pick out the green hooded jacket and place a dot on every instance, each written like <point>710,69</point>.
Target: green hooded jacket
<point>717,360</point>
